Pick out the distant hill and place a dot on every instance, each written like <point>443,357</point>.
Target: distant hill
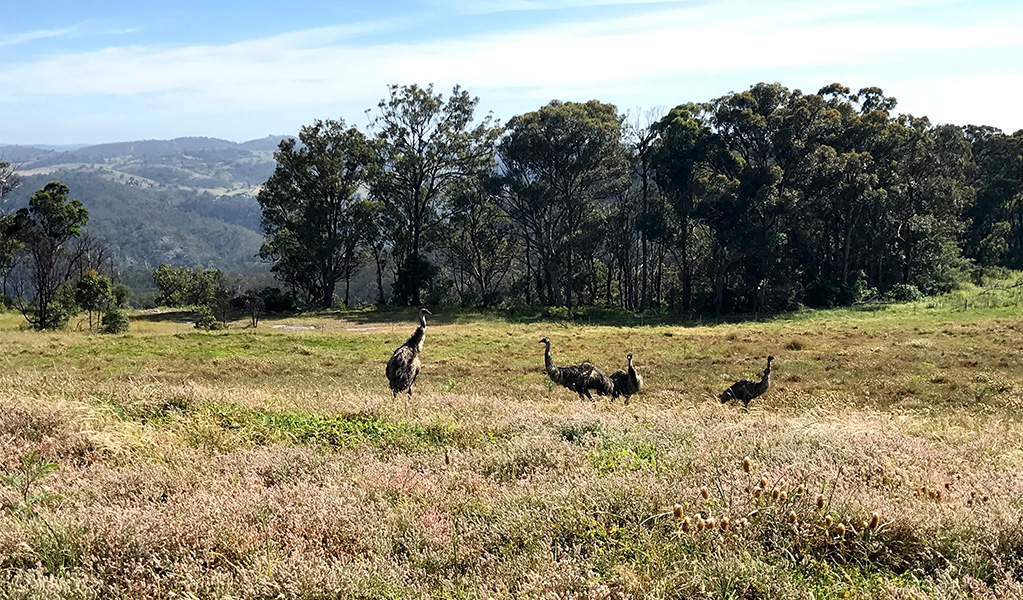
<point>187,201</point>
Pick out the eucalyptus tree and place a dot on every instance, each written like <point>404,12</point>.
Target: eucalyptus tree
<point>561,163</point>
<point>425,143</point>
<point>46,229</point>
<point>314,221</point>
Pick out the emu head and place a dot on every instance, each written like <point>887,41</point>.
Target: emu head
<point>422,316</point>
<point>629,358</point>
<point>769,359</point>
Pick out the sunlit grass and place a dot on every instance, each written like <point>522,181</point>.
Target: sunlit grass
<point>274,462</point>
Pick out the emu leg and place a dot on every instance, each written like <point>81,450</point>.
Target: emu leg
<point>588,396</point>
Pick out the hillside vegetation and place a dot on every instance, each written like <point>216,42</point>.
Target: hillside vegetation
<point>273,462</point>
<point>188,201</point>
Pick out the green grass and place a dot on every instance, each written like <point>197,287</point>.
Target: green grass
<point>274,462</point>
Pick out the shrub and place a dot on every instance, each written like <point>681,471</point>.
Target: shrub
<point>122,295</point>
<point>904,292</point>
<point>205,319</point>
<point>115,320</point>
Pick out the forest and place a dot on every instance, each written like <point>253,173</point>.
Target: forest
<point>757,201</point>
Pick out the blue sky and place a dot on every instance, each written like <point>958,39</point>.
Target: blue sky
<point>103,71</point>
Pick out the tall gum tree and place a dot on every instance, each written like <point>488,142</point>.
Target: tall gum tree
<point>560,163</point>
<point>314,221</point>
<point>425,143</point>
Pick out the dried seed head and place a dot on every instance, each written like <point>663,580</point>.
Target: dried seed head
<point>711,523</point>
<point>875,520</point>
<point>677,511</point>
<point>742,522</point>
<point>700,524</point>
<point>938,495</point>
<point>841,530</point>
<point>948,486</point>
<point>973,494</point>
<point>705,492</point>
<point>801,489</point>
<point>828,521</point>
<point>724,523</point>
<point>782,496</point>
<point>765,481</point>
<point>969,502</point>
<point>687,524</point>
<point>757,492</point>
<point>792,517</point>
<point>747,465</point>
<point>775,493</point>
<point>820,501</point>
<point>984,499</point>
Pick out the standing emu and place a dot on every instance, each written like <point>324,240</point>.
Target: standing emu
<point>403,368</point>
<point>747,390</point>
<point>579,378</point>
<point>626,382</point>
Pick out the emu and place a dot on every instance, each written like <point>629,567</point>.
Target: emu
<point>626,383</point>
<point>404,365</point>
<point>579,378</point>
<point>747,390</point>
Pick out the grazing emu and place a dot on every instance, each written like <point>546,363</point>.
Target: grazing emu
<point>747,390</point>
<point>403,368</point>
<point>579,378</point>
<point>626,382</point>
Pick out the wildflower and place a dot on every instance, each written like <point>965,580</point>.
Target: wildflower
<point>705,492</point>
<point>677,511</point>
<point>828,521</point>
<point>841,530</point>
<point>875,520</point>
<point>820,501</point>
<point>775,493</point>
<point>792,517</point>
<point>801,489</point>
<point>747,465</point>
<point>700,524</point>
<point>724,523</point>
<point>765,481</point>
<point>782,496</point>
<point>687,524</point>
<point>711,523</point>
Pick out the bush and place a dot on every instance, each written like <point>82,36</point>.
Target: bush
<point>115,320</point>
<point>122,295</point>
<point>904,292</point>
<point>205,319</point>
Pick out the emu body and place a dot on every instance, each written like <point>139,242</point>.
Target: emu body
<point>626,382</point>
<point>404,365</point>
<point>580,378</point>
<point>746,390</point>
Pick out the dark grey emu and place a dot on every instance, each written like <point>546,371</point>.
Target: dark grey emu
<point>627,382</point>
<point>403,368</point>
<point>579,378</point>
<point>747,390</point>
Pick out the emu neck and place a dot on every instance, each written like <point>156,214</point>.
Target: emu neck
<point>416,341</point>
<point>547,362</point>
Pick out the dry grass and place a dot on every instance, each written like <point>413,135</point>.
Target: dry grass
<point>272,463</point>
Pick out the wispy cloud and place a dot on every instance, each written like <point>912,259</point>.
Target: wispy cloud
<point>31,36</point>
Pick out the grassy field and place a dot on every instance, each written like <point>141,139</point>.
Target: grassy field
<point>886,461</point>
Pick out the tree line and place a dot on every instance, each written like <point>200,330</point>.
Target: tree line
<point>757,201</point>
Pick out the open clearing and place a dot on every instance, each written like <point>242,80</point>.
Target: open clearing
<point>273,463</point>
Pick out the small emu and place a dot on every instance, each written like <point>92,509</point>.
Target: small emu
<point>626,382</point>
<point>747,390</point>
<point>404,365</point>
<point>579,378</point>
